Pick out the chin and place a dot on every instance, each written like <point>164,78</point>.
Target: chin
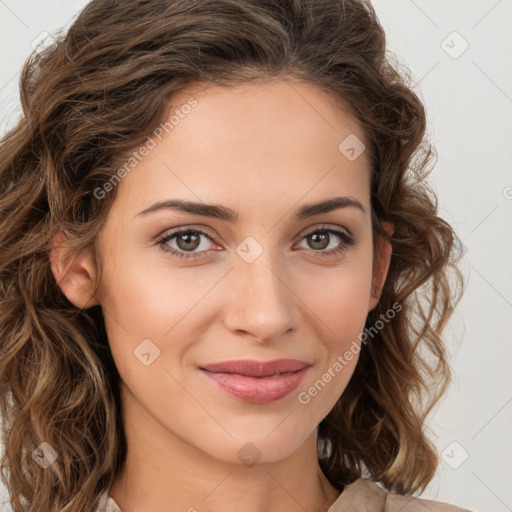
<point>260,448</point>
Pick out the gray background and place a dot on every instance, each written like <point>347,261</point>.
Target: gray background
<point>468,96</point>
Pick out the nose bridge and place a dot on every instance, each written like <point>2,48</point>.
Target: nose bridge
<point>263,302</point>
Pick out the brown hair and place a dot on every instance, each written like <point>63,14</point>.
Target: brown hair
<point>95,95</point>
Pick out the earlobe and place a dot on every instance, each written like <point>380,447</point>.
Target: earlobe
<point>74,273</point>
<point>381,266</point>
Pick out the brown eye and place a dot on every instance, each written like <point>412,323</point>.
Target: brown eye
<point>185,242</point>
<point>319,239</point>
<point>188,241</point>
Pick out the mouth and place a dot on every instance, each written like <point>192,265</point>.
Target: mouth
<point>253,368</point>
<point>257,382</point>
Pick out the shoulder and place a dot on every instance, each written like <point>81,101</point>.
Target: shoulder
<point>363,495</point>
<point>107,504</point>
<point>366,495</point>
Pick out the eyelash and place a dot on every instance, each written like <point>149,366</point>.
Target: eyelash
<point>347,239</point>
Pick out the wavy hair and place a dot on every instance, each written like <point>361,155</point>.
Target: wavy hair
<point>94,95</point>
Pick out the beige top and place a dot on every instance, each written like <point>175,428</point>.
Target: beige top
<point>363,495</point>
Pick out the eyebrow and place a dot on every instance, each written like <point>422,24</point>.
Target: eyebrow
<point>229,215</point>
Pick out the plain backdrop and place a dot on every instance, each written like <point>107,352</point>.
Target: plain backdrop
<point>459,53</point>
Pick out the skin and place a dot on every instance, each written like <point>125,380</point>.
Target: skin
<point>263,149</point>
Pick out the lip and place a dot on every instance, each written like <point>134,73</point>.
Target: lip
<point>258,382</point>
<point>253,368</point>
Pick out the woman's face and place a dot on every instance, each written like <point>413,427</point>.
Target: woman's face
<point>264,282</point>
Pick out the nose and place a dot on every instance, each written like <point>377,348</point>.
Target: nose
<point>262,303</point>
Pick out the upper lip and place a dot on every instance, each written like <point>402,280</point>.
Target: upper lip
<point>253,368</point>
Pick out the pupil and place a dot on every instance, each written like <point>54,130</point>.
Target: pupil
<point>189,238</point>
<point>316,236</point>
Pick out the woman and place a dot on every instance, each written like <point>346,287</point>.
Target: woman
<point>224,279</point>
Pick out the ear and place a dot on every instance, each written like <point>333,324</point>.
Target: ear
<point>75,273</point>
<point>381,265</point>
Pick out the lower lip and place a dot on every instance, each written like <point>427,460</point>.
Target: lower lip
<point>257,390</point>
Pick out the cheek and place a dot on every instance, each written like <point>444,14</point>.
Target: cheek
<point>340,298</point>
<point>147,303</point>
<point>146,295</point>
<point>155,301</point>
<point>340,304</point>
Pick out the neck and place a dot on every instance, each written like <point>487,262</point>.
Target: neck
<point>163,472</point>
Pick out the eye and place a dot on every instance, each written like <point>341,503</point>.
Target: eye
<point>183,243</point>
<point>187,240</point>
<point>321,238</point>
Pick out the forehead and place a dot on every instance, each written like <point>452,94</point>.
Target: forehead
<point>276,140</point>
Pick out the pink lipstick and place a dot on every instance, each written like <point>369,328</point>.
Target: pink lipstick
<point>258,382</point>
